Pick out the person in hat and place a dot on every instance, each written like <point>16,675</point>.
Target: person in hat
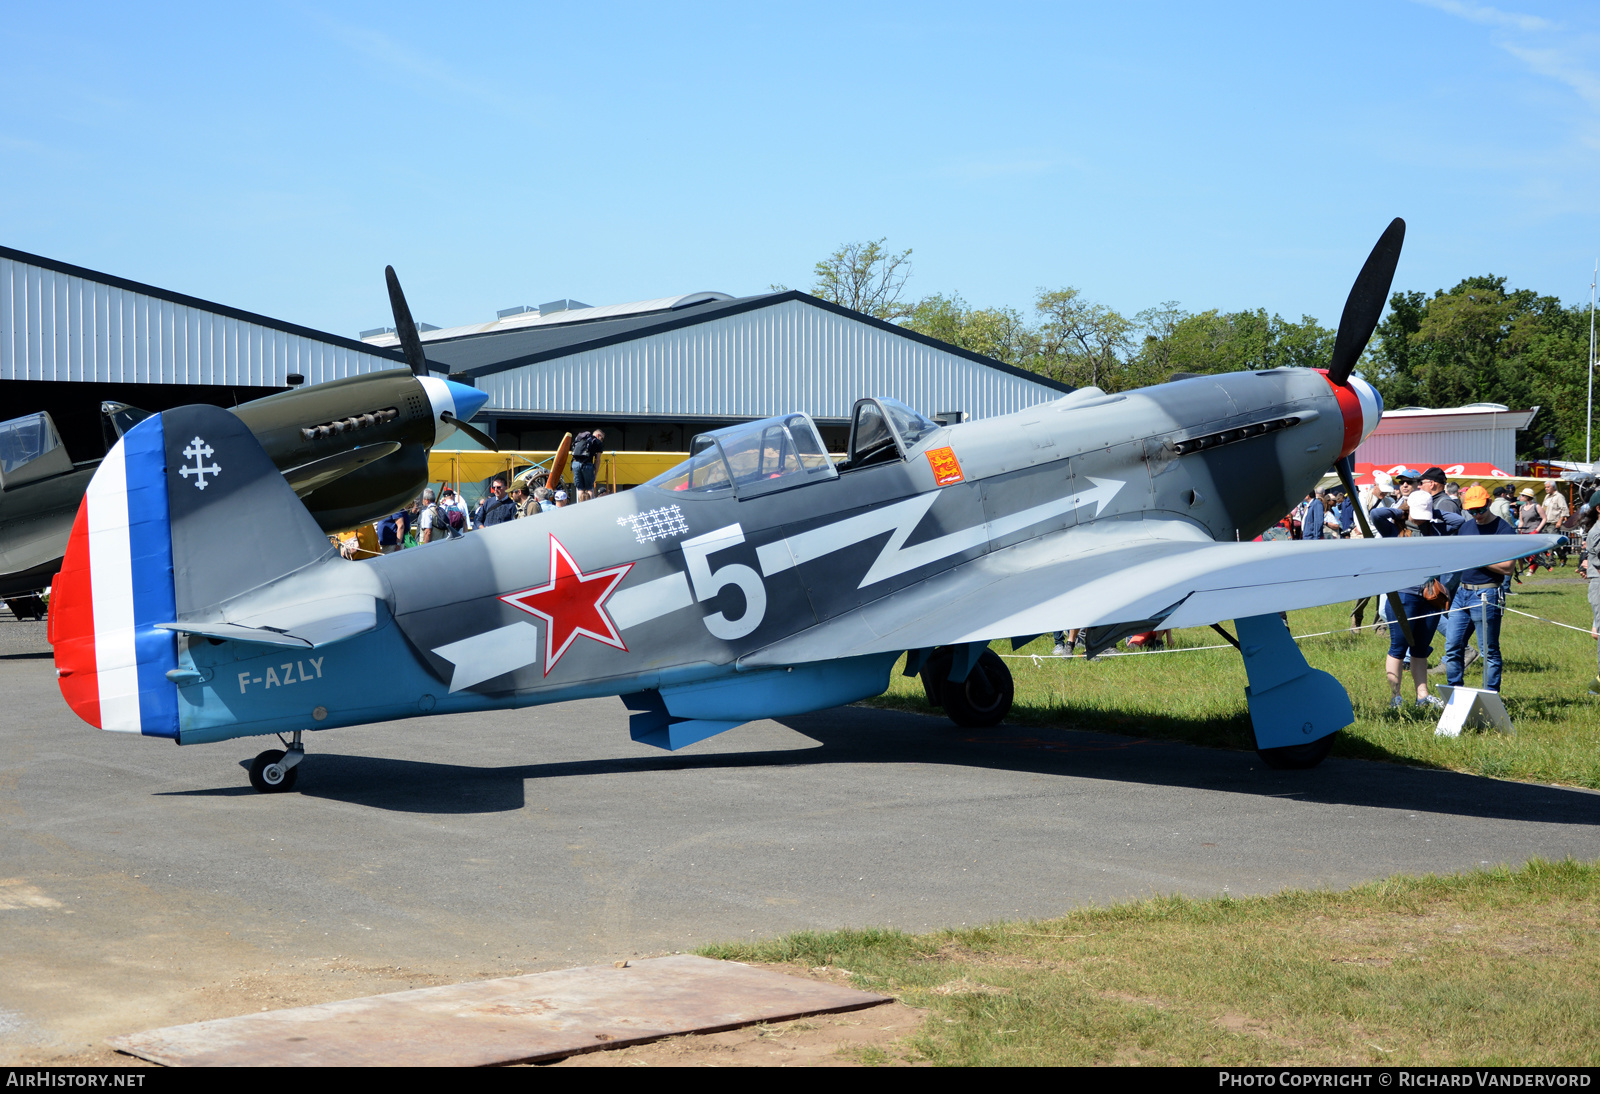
<point>1480,602</point>
<point>1528,515</point>
<point>1419,502</point>
<point>1433,481</point>
<point>1501,505</point>
<point>1388,522</point>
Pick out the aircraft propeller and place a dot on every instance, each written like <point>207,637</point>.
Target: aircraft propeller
<point>1362,310</point>
<point>411,344</point>
<point>470,430</point>
<point>406,328</point>
<point>1364,306</point>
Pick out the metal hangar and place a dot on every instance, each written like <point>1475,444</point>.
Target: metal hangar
<point>657,372</point>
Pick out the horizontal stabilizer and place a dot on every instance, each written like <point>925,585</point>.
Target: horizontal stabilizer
<point>304,625</point>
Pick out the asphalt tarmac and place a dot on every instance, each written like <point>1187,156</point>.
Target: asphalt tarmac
<point>143,884</point>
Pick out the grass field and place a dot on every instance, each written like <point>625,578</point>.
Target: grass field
<point>1198,695</point>
<point>1493,967</point>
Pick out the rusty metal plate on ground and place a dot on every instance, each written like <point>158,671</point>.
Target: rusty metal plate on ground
<point>510,1020</point>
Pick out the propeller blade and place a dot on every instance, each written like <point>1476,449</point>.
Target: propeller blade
<point>470,430</point>
<point>404,326</point>
<point>1346,469</point>
<point>1364,307</point>
<point>1400,617</point>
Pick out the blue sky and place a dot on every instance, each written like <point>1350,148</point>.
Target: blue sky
<point>275,157</point>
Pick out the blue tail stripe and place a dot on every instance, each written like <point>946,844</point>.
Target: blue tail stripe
<point>150,545</point>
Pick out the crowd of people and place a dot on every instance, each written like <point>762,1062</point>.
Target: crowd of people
<point>1468,606</point>
<point>1330,514</point>
<point>433,518</point>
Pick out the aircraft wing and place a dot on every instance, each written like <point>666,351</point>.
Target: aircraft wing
<point>1159,573</point>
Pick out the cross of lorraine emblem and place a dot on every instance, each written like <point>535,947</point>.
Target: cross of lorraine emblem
<point>198,450</point>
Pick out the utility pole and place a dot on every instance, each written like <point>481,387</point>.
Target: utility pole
<point>1588,434</point>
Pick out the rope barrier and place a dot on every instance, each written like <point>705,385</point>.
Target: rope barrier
<point>1040,658</point>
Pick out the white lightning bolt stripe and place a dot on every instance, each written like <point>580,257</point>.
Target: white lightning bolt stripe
<point>902,518</point>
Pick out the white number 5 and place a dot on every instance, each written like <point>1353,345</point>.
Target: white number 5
<point>708,582</point>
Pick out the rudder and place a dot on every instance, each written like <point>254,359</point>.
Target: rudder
<point>186,511</point>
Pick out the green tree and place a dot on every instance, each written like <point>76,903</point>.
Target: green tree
<point>866,278</point>
<point>1214,341</point>
<point>1001,333</point>
<point>1482,342</point>
<point>1080,341</point>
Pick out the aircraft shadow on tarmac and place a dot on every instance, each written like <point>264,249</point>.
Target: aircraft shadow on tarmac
<point>859,735</point>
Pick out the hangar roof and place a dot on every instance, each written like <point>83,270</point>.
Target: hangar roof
<point>733,359</point>
<point>483,355</point>
<point>64,322</point>
<point>542,317</point>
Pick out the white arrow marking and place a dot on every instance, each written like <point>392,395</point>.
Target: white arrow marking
<point>493,653</point>
<point>902,519</point>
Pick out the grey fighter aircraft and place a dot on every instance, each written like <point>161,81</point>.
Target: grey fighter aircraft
<point>758,579</point>
<point>353,450</point>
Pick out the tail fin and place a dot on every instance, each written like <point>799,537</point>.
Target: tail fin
<point>185,512</point>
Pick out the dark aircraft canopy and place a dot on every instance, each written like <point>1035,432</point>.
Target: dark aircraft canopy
<point>30,449</point>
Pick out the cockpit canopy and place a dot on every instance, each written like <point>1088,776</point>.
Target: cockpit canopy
<point>752,459</point>
<point>777,453</point>
<point>30,449</point>
<point>884,429</point>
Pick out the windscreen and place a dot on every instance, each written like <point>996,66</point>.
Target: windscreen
<point>703,472</point>
<point>23,440</point>
<point>911,425</point>
<point>871,434</point>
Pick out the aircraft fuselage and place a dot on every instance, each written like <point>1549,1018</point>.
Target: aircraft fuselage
<point>656,589</point>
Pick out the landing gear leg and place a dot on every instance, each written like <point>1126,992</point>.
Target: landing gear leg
<point>274,772</point>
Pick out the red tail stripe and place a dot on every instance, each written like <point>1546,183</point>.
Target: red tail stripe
<point>72,625</point>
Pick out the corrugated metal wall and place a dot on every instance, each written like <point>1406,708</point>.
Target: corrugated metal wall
<point>59,326</point>
<point>790,356</point>
<point>1423,448</point>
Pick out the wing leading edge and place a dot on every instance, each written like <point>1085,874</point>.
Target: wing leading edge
<point>1140,572</point>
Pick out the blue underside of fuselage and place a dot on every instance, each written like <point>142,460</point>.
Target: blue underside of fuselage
<point>248,689</point>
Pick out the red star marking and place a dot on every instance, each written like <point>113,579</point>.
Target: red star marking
<point>570,604</point>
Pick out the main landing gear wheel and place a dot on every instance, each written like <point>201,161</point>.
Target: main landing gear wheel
<point>981,700</point>
<point>269,775</point>
<point>1297,757</point>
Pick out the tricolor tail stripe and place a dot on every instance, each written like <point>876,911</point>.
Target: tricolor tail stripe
<point>115,586</point>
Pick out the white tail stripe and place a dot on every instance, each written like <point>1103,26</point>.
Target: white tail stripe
<point>111,592</point>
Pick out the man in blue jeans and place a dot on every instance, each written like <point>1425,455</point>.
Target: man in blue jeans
<point>1480,601</point>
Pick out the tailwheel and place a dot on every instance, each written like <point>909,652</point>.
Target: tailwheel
<point>1298,757</point>
<point>981,700</point>
<point>271,775</point>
